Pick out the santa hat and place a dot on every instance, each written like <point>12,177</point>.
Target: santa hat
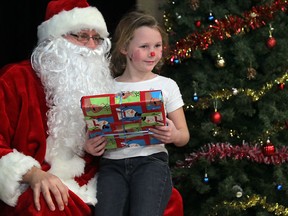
<point>63,16</point>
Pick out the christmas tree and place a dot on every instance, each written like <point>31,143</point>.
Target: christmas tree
<point>230,59</point>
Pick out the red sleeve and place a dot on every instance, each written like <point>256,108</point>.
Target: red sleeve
<point>22,129</point>
<point>22,111</point>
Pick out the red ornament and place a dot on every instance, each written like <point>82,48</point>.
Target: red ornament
<point>216,117</point>
<point>268,149</point>
<point>281,86</point>
<point>197,23</point>
<point>286,124</point>
<point>271,42</point>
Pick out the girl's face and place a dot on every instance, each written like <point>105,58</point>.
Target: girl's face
<point>144,50</point>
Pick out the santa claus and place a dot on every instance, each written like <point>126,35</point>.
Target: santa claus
<point>44,169</point>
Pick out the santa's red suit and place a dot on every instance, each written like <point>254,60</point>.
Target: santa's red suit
<point>24,120</point>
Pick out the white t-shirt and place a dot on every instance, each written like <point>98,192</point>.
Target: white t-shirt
<point>172,100</point>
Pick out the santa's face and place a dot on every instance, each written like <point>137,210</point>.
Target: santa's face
<point>89,38</point>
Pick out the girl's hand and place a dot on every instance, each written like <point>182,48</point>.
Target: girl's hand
<point>167,133</point>
<point>95,146</point>
<point>176,130</point>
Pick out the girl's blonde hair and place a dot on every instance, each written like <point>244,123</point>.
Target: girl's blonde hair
<point>124,33</point>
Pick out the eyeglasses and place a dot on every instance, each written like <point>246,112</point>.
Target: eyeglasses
<point>84,38</point>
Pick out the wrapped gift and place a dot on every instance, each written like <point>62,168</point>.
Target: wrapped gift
<point>124,118</point>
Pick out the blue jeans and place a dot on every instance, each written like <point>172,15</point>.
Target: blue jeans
<point>139,186</point>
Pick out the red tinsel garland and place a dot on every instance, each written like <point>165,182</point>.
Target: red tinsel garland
<point>222,29</point>
<point>254,153</point>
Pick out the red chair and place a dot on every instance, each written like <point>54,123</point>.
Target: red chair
<point>175,205</point>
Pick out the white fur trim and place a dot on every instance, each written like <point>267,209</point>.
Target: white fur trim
<point>86,192</point>
<point>12,167</point>
<point>73,21</point>
<point>69,167</point>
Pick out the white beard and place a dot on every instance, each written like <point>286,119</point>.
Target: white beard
<point>68,72</point>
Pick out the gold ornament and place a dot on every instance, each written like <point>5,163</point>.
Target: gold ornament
<point>251,73</point>
<point>194,4</point>
<point>220,62</point>
<point>238,191</point>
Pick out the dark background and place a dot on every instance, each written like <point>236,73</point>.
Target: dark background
<point>19,21</point>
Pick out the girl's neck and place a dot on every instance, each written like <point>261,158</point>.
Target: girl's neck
<point>133,77</point>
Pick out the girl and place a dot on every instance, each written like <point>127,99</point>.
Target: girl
<point>136,181</point>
